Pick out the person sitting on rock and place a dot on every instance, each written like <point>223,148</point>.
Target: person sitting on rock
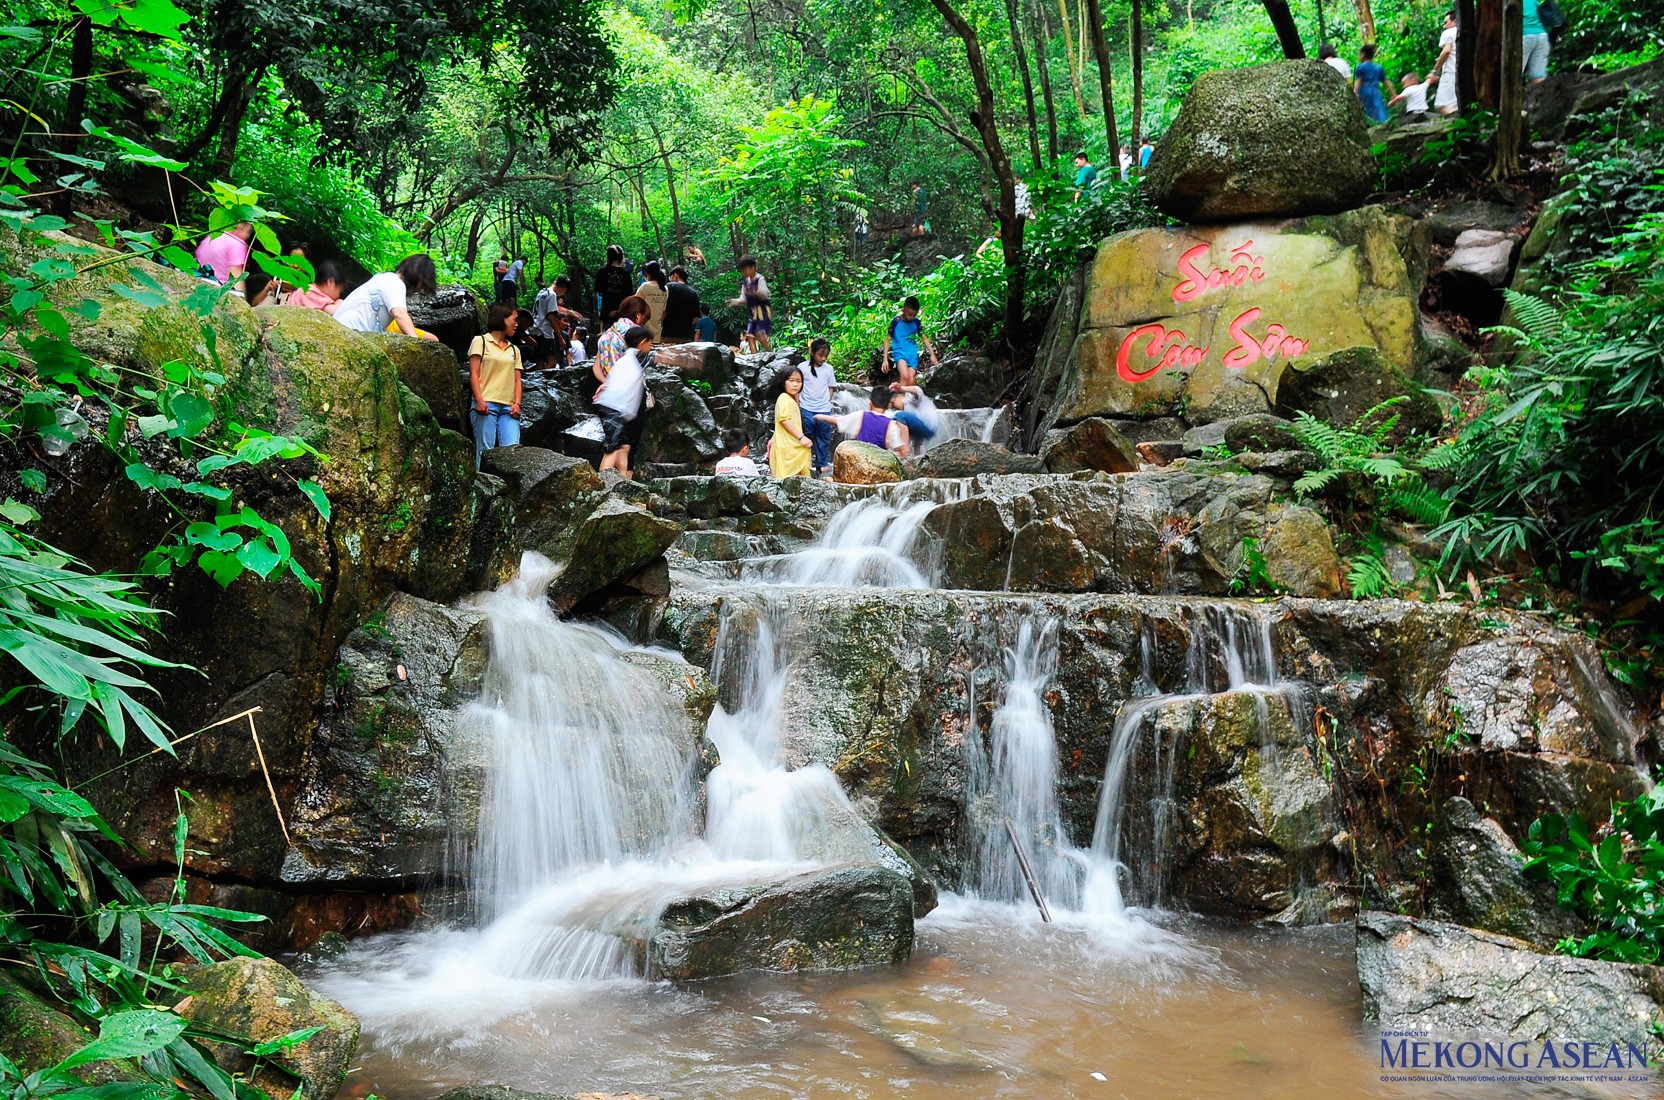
<point>874,424</point>
<point>620,399</point>
<point>579,351</point>
<point>325,291</point>
<point>380,304</point>
<point>739,462</point>
<point>901,344</point>
<point>916,412</point>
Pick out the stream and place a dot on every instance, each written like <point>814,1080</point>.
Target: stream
<point>595,819</point>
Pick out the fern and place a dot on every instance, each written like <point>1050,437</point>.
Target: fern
<point>1417,501</point>
<point>1540,324</point>
<point>1367,576</point>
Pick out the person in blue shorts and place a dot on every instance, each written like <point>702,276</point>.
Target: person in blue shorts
<point>901,345</point>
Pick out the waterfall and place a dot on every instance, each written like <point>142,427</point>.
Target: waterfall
<point>588,760</point>
<point>1229,652</point>
<point>871,543</point>
<point>1015,779</point>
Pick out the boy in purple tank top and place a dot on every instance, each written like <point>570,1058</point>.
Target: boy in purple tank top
<point>872,425</point>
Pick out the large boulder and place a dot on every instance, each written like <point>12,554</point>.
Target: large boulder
<point>35,1035</point>
<point>712,364</point>
<point>545,497</point>
<point>1300,555</point>
<point>1341,387</point>
<point>258,1000</point>
<point>969,457</point>
<point>614,542</point>
<point>1206,321</point>
<point>1093,444</point>
<point>857,463</point>
<point>967,380</point>
<point>679,428</point>
<point>392,773</point>
<point>1280,139</point>
<point>428,369</point>
<point>1476,878</point>
<point>1443,980</point>
<point>825,919</point>
<point>453,313</point>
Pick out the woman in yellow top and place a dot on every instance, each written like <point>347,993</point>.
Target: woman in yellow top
<point>788,452</point>
<point>494,379</point>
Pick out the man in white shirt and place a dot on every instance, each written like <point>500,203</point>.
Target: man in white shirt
<point>1332,58</point>
<point>1444,69</point>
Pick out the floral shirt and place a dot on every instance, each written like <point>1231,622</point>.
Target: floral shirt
<point>611,344</point>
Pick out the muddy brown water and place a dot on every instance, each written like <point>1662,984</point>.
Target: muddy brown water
<point>993,1004</point>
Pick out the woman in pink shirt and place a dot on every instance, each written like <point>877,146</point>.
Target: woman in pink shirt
<point>227,254</point>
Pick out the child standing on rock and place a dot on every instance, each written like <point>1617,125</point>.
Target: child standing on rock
<point>816,398</point>
<point>620,399</point>
<point>759,324</point>
<point>789,450</point>
<point>901,344</point>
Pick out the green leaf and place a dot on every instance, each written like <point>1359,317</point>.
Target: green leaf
<point>131,150</point>
<point>284,1042</point>
<point>192,415</point>
<point>147,478</point>
<point>12,806</point>
<point>130,1034</point>
<point>152,426</point>
<point>210,536</point>
<point>259,556</point>
<point>17,513</point>
<point>33,480</point>
<point>315,493</point>
<point>223,567</point>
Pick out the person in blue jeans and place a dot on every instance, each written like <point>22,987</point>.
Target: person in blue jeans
<point>1536,42</point>
<point>818,380</point>
<point>1367,80</point>
<point>901,344</point>
<point>494,367</point>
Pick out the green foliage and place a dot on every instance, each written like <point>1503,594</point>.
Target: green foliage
<point>1563,456</point>
<point>1611,34</point>
<point>1361,470</point>
<point>1254,574</point>
<point>1613,878</point>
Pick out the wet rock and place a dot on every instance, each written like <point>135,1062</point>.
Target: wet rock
<point>1262,434</point>
<point>498,1092</point>
<point>1340,388</point>
<point>709,363</point>
<point>392,770</point>
<point>826,919</point>
<point>1548,248</point>
<point>428,370</point>
<point>547,496</point>
<point>1093,444</point>
<point>548,407</point>
<point>968,380</point>
<point>974,541</point>
<point>1300,555</point>
<point>1229,153</point>
<point>967,458</point>
<point>613,542</point>
<point>259,1000</point>
<point>857,463</point>
<point>36,1036</point>
<point>1447,980</point>
<point>1475,879</point>
<point>680,427</point>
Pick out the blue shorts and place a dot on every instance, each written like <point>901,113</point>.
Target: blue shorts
<point>917,429</point>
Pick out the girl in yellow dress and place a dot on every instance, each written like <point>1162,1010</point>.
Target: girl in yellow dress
<point>788,452</point>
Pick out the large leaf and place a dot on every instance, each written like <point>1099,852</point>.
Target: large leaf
<point>130,1034</point>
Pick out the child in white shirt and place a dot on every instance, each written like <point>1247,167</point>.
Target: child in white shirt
<point>739,462</point>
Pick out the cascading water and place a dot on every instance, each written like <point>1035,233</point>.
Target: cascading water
<point>872,543</point>
<point>1230,652</point>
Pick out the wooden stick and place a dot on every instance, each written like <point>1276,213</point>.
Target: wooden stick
<point>258,751</point>
<point>1028,875</point>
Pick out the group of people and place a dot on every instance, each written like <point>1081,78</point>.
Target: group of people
<point>1369,78</point>
<point>899,416</point>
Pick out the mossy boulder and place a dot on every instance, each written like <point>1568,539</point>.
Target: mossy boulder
<point>970,457</point>
<point>1300,554</point>
<point>1342,387</point>
<point>35,1036</point>
<point>1280,139</point>
<point>429,370</point>
<point>857,463</point>
<point>615,541</point>
<point>1093,444</point>
<point>838,918</point>
<point>259,1000</point>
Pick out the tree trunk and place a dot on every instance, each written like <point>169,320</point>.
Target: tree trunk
<point>1021,50</point>
<point>1137,81</point>
<point>1069,54</point>
<point>1322,24</point>
<point>231,124</point>
<point>1510,98</point>
<point>1366,21</point>
<point>1042,40</point>
<point>1288,35</point>
<point>670,184</point>
<point>1011,226</point>
<point>1489,65</point>
<point>1106,75</point>
<point>1467,45</point>
<point>80,73</point>
<point>472,254</point>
